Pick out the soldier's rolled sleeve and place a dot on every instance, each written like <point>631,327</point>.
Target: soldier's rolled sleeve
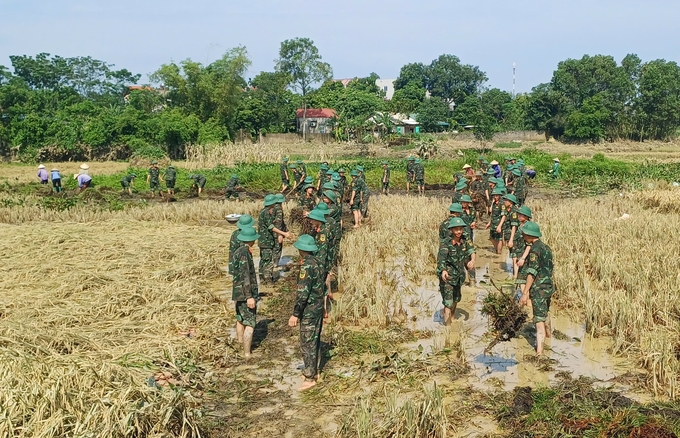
<point>303,291</point>
<point>532,266</point>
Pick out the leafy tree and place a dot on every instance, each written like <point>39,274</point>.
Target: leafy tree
<point>659,100</point>
<point>300,60</point>
<point>448,79</point>
<point>407,99</point>
<point>431,112</point>
<point>545,111</point>
<point>412,73</point>
<point>588,122</point>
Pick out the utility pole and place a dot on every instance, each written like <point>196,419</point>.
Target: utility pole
<point>513,79</point>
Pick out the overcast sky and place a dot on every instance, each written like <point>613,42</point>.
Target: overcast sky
<point>356,37</point>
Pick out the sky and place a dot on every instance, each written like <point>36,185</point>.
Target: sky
<point>356,37</point>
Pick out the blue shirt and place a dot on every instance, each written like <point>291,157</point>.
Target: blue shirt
<point>55,175</point>
<point>83,179</point>
<point>496,171</point>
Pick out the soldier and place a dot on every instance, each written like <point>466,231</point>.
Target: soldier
<point>285,177</point>
<point>198,182</point>
<point>520,250</point>
<point>459,191</point>
<point>152,178</point>
<point>326,240</point>
<point>310,309</point>
<point>323,171</point>
<point>469,216</point>
<point>455,210</point>
<point>356,198</point>
<point>297,177</point>
<point>509,221</point>
<point>495,236</point>
<point>419,172</point>
<point>454,257</point>
<point>232,187</point>
<point>330,198</point>
<point>307,199</point>
<point>539,282</point>
<point>484,166</point>
<point>385,178</point>
<point>245,291</point>
<point>270,227</point>
<point>278,247</point>
<point>343,186</point>
<point>555,171</point>
<point>410,174</point>
<point>520,186</point>
<point>128,182</point>
<point>170,177</point>
<point>302,168</point>
<point>479,196</point>
<point>245,221</point>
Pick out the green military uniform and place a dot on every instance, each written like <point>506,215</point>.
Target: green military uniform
<point>419,172</point>
<point>385,180</point>
<point>170,177</point>
<point>234,244</point>
<point>280,218</point>
<point>540,266</point>
<point>468,217</point>
<point>231,187</point>
<point>478,194</point>
<point>199,180</point>
<point>154,182</point>
<point>410,171</point>
<point>555,170</point>
<point>267,241</point>
<point>496,215</point>
<point>244,286</point>
<point>342,188</point>
<point>510,221</point>
<point>520,189</point>
<point>307,203</point>
<point>359,188</point>
<point>452,259</point>
<point>126,180</point>
<point>285,177</point>
<point>336,215</point>
<point>309,308</point>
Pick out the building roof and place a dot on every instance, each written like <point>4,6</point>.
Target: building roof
<point>396,119</point>
<point>316,113</point>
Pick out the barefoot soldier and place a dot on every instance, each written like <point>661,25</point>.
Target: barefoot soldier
<point>309,310</point>
<point>152,178</point>
<point>244,221</point>
<point>285,177</point>
<point>128,182</point>
<point>539,283</point>
<point>385,178</point>
<point>170,178</point>
<point>245,291</point>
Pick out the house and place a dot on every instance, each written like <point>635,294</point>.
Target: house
<point>401,123</point>
<point>387,86</point>
<point>317,120</point>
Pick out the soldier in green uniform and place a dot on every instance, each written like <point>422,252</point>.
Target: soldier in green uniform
<point>520,248</point>
<point>478,194</point>
<point>410,173</point>
<point>520,186</point>
<point>335,179</point>
<point>343,186</point>
<point>297,175</point>
<point>302,168</point>
<point>152,178</point>
<point>454,257</point>
<point>321,176</point>
<point>307,200</point>
<point>495,236</point>
<point>509,221</point>
<point>469,216</point>
<point>199,182</point>
<point>356,200</point>
<point>278,210</point>
<point>127,182</point>
<point>459,191</point>
<point>331,198</point>
<point>170,177</point>
<point>555,171</point>
<point>245,221</point>
<point>419,172</point>
<point>232,187</point>
<point>245,291</point>
<point>327,238</point>
<point>310,309</point>
<point>285,177</point>
<point>385,180</point>
<point>455,210</point>
<point>270,228</point>
<point>539,283</point>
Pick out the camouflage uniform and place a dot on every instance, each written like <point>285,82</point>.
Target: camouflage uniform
<point>540,266</point>
<point>444,231</point>
<point>126,180</point>
<point>520,190</point>
<point>278,247</point>
<point>285,177</point>
<point>510,221</point>
<point>309,308</point>
<point>385,180</point>
<point>154,183</point>
<point>452,259</point>
<point>199,180</point>
<point>336,216</point>
<point>234,244</point>
<point>410,171</point>
<point>170,176</point>
<point>455,199</point>
<point>496,214</point>
<point>245,285</point>
<point>307,204</point>
<point>266,242</point>
<point>478,194</point>
<point>322,237</point>
<point>518,245</point>
<point>298,176</point>
<point>342,187</point>
<point>357,187</point>
<point>419,172</point>
<point>231,188</point>
<point>366,194</point>
<point>468,218</point>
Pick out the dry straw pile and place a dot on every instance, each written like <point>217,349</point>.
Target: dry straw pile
<point>95,304</point>
<point>617,261</point>
<point>228,154</point>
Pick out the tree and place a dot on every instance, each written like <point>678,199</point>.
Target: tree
<point>450,80</point>
<point>659,100</point>
<point>411,73</point>
<point>300,60</point>
<point>545,111</point>
<point>407,99</point>
<point>431,112</point>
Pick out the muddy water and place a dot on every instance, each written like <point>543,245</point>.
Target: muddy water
<point>506,367</point>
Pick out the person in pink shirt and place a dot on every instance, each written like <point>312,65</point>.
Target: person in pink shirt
<point>42,174</point>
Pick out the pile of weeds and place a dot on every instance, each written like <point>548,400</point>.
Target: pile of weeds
<point>507,318</point>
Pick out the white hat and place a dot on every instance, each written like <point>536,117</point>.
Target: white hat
<point>75,176</point>
<point>41,166</point>
<point>84,166</point>
<point>54,169</point>
<point>467,166</point>
<point>557,160</point>
<point>494,162</point>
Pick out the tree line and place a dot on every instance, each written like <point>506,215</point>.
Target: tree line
<point>82,108</point>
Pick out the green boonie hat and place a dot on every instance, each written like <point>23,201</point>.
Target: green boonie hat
<point>317,215</point>
<point>245,221</point>
<point>354,173</point>
<point>480,158</point>
<point>280,199</point>
<point>513,159</point>
<point>293,166</point>
<point>324,167</point>
<point>360,168</point>
<point>490,171</point>
<point>299,161</point>
<point>456,222</point>
<point>322,206</point>
<point>485,161</point>
<point>418,161</point>
<point>497,191</point>
<point>336,177</point>
<point>269,200</point>
<point>461,185</point>
<point>341,170</point>
<point>383,162</point>
<point>134,175</point>
<point>507,158</point>
<point>306,243</point>
<point>510,197</point>
<point>524,210</point>
<point>234,176</point>
<point>465,198</point>
<point>171,166</point>
<point>520,161</point>
<point>331,195</point>
<point>285,159</point>
<point>516,172</point>
<point>456,208</point>
<point>531,229</point>
<point>308,186</point>
<point>248,234</point>
<point>309,180</point>
<point>190,176</point>
<point>411,158</point>
<point>154,162</point>
<point>329,186</point>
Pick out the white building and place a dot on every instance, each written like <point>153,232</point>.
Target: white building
<point>386,85</point>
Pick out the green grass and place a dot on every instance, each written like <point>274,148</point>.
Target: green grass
<point>508,145</point>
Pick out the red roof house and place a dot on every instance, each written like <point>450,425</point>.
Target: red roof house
<point>316,121</point>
